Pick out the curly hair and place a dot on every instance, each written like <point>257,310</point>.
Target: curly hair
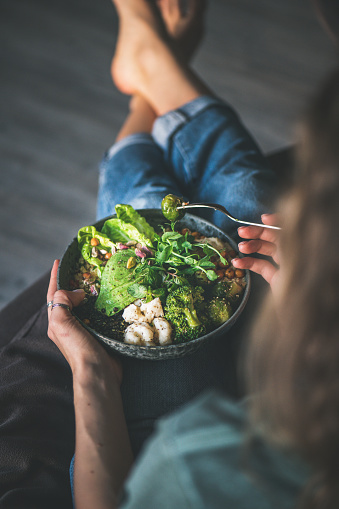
<point>293,357</point>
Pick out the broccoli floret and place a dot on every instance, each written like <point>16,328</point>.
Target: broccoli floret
<point>218,311</point>
<point>229,290</point>
<point>180,311</point>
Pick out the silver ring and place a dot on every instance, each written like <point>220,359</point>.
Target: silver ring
<point>61,305</point>
<point>49,304</point>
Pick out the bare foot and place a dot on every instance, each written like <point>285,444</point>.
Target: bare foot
<point>184,23</point>
<point>144,64</point>
<point>177,23</point>
<point>140,34</point>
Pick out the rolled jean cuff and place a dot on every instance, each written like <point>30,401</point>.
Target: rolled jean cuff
<point>166,125</point>
<point>132,139</point>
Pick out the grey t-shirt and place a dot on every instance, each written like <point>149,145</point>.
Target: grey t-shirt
<point>203,457</point>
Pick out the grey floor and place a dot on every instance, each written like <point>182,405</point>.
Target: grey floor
<point>60,111</point>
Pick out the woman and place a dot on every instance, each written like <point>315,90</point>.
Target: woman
<point>212,454</point>
<point>197,140</point>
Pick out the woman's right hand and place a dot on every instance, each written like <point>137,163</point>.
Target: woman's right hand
<point>76,344</point>
<point>262,241</point>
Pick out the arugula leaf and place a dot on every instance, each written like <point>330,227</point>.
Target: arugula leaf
<point>211,251</point>
<point>170,236</point>
<point>153,277</point>
<point>206,263</point>
<point>163,253</point>
<point>211,275</point>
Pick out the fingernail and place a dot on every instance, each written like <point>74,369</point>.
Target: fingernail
<point>242,243</point>
<point>78,290</point>
<point>235,260</point>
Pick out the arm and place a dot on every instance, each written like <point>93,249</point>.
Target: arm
<point>264,242</point>
<point>103,453</point>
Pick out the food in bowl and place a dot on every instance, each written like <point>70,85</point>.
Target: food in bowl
<point>154,286</point>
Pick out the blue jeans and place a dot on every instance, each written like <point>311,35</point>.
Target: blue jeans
<point>203,153</point>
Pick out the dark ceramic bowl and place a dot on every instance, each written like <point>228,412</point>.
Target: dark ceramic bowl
<point>155,217</point>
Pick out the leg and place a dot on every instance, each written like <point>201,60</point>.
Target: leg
<point>140,119</point>
<point>134,171</point>
<point>183,30</point>
<point>216,160</point>
<point>147,179</point>
<point>210,152</point>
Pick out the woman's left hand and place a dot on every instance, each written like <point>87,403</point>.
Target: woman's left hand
<point>76,344</point>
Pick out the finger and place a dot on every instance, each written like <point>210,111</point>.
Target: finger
<point>69,298</point>
<point>258,246</point>
<point>58,315</point>
<point>52,287</point>
<point>61,319</point>
<point>262,267</point>
<point>256,232</point>
<point>271,219</point>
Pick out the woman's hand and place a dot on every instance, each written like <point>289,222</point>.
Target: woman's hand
<point>263,241</point>
<point>76,344</point>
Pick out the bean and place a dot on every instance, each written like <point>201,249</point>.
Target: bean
<point>94,242</point>
<point>220,274</point>
<point>239,273</point>
<point>229,273</point>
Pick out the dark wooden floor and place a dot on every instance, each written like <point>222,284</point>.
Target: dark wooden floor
<point>59,109</point>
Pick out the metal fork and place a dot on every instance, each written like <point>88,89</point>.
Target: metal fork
<point>222,209</point>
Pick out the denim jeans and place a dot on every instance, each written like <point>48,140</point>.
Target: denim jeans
<point>201,152</point>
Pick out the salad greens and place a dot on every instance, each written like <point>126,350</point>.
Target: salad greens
<point>134,262</point>
<point>128,215</point>
<point>85,236</point>
<point>174,258</point>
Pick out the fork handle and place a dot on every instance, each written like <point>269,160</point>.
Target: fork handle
<point>222,209</point>
<point>257,224</point>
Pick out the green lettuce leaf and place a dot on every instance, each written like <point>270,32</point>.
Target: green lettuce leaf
<point>127,214</point>
<point>85,236</point>
<point>115,283</point>
<point>119,231</point>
